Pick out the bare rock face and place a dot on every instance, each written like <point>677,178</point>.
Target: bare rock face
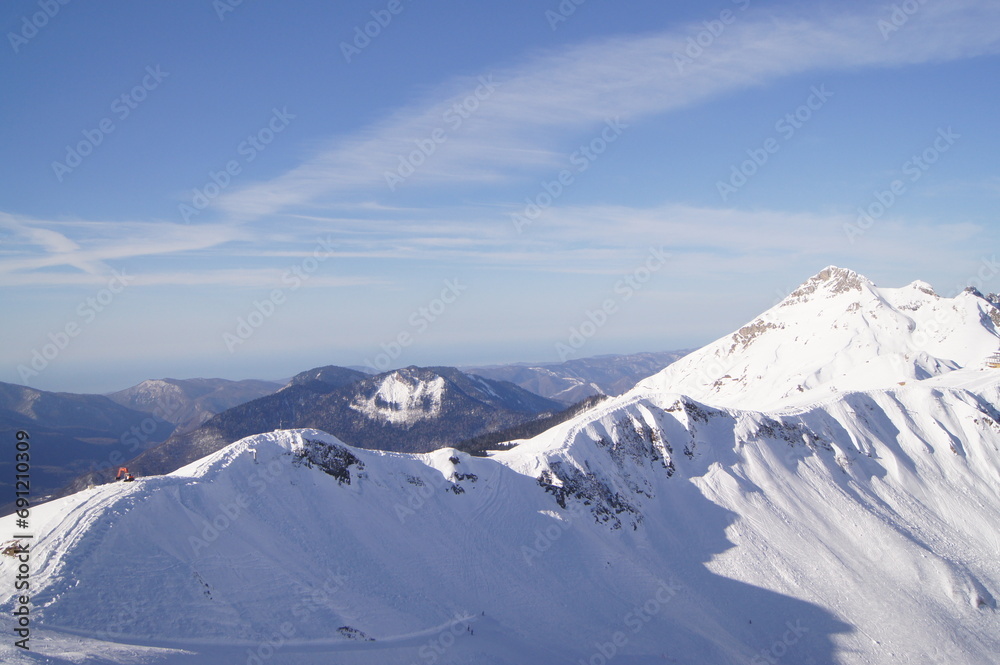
<point>831,279</point>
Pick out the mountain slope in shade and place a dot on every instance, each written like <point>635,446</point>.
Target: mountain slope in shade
<point>188,403</point>
<point>71,434</point>
<point>867,524</point>
<point>855,528</point>
<point>837,332</point>
<point>409,544</point>
<point>575,380</point>
<point>328,376</point>
<point>277,409</point>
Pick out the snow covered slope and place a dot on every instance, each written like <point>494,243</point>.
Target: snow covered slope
<point>350,543</point>
<point>856,528</point>
<point>835,333</point>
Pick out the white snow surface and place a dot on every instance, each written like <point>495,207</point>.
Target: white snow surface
<point>402,401</point>
<point>836,333</point>
<point>852,522</point>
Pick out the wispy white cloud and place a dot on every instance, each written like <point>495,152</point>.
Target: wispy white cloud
<point>538,104</point>
<point>262,278</point>
<point>605,239</point>
<point>989,186</point>
<point>602,239</point>
<point>540,107</point>
<point>730,238</point>
<point>56,246</point>
<point>89,246</point>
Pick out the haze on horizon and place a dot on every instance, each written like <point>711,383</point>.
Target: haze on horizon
<point>479,181</point>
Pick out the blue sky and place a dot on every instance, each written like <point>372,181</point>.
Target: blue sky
<point>200,188</point>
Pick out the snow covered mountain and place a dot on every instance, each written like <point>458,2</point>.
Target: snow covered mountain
<point>837,332</point>
<point>412,409</point>
<point>188,403</point>
<point>850,522</point>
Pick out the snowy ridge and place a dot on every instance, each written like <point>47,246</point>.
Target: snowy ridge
<point>848,525</point>
<point>827,510</point>
<point>837,332</point>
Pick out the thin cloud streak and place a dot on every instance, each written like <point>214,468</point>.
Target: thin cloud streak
<point>521,125</point>
<point>231,278</point>
<point>100,242</point>
<point>605,240</point>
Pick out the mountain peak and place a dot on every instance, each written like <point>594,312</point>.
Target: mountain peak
<point>829,281</point>
<point>838,332</point>
<point>834,273</point>
<point>923,287</point>
<point>331,376</point>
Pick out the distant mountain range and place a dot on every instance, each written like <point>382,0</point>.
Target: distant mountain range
<point>575,380</point>
<point>86,437</point>
<point>408,410</point>
<point>187,403</point>
<point>70,434</point>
